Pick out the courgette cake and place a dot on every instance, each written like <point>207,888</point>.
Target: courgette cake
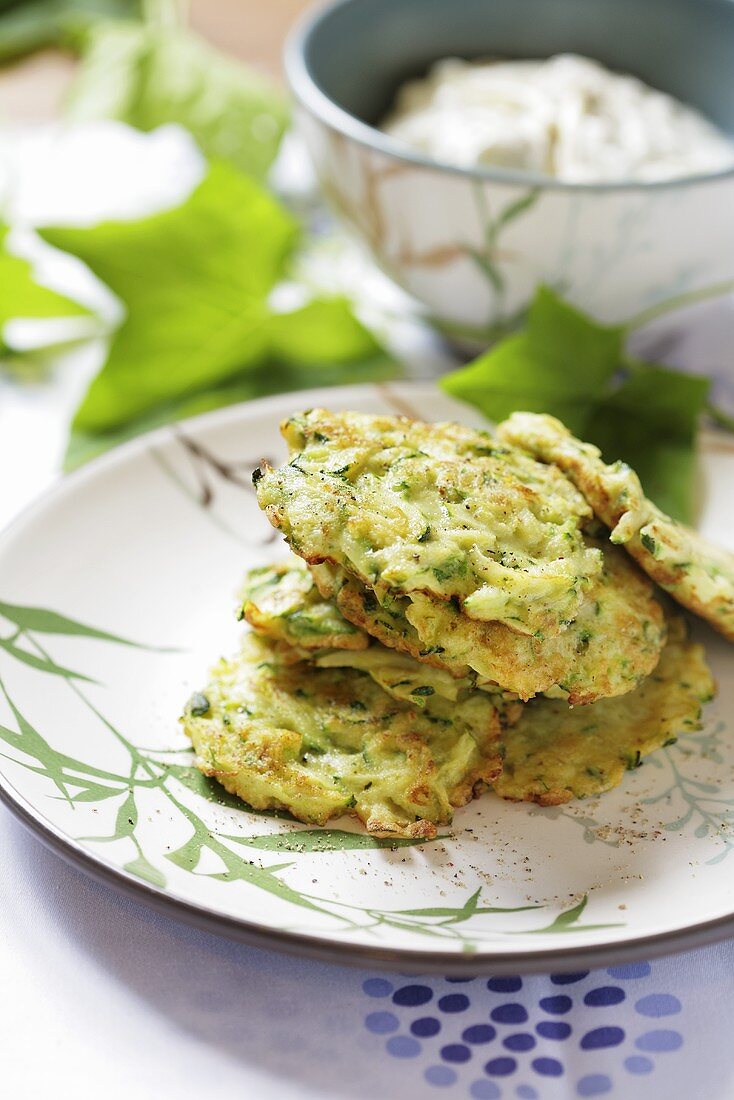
<point>437,509</point>
<point>556,752</point>
<point>322,742</point>
<point>466,554</point>
<point>696,572</point>
<point>453,617</point>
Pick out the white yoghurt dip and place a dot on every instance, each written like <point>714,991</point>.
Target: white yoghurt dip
<point>567,117</point>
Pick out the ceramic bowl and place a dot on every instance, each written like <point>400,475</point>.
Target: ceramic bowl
<point>472,245</point>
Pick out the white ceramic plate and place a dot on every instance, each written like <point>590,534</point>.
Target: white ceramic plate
<point>148,545</point>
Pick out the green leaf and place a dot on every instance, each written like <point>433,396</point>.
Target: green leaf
<point>650,421</point>
<point>335,349</point>
<point>322,840</point>
<point>35,24</point>
<point>565,364</point>
<point>200,332</point>
<point>557,365</point>
<point>149,75</point>
<point>41,664</point>
<point>22,297</point>
<point>195,281</point>
<point>51,622</point>
<point>322,332</point>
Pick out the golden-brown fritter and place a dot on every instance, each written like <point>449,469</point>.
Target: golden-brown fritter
<point>615,641</point>
<point>698,574</point>
<point>324,742</point>
<point>555,753</point>
<point>282,602</point>
<point>438,509</point>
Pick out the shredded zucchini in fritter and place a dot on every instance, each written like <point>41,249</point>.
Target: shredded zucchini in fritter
<point>320,742</point>
<point>698,574</point>
<point>435,508</point>
<point>555,753</point>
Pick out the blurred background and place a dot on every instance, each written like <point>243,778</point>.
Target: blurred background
<point>165,249</point>
<point>33,84</point>
<point>113,112</point>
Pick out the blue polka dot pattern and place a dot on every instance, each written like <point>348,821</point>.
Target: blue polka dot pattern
<point>425,1027</point>
<point>484,1090</point>
<point>602,1037</point>
<point>636,1063</point>
<point>455,1052</point>
<point>520,1042</point>
<point>454,1002</point>
<point>569,979</point>
<point>594,1084</point>
<point>504,985</point>
<point>553,1029</point>
<point>500,1067</point>
<point>632,970</point>
<point>509,1014</point>
<point>618,1031</point>
<point>377,987</point>
<point>547,1067</point>
<point>381,1023</point>
<point>479,1033</point>
<point>659,1041</point>
<point>402,1046</point>
<point>604,995</point>
<point>658,1004</point>
<point>557,1005</point>
<point>412,995</point>
<point>440,1075</point>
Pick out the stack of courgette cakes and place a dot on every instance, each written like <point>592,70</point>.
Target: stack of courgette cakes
<point>456,615</point>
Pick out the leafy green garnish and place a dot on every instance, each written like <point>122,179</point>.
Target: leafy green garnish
<point>195,281</point>
<point>23,297</point>
<point>34,24</point>
<point>650,420</point>
<point>559,364</point>
<point>148,75</point>
<point>355,357</point>
<point>198,705</point>
<point>200,331</point>
<point>566,364</point>
<point>648,542</point>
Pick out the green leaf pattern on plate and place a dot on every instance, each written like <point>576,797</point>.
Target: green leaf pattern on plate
<point>76,781</point>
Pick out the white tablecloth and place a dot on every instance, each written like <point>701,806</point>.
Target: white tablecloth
<point>104,998</point>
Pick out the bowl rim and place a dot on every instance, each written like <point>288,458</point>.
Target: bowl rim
<point>308,93</point>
